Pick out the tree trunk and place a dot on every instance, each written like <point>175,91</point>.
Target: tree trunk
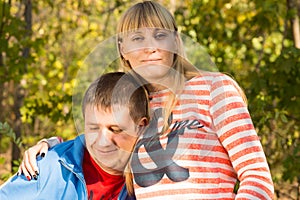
<point>295,4</point>
<point>2,67</point>
<point>296,31</point>
<point>20,92</point>
<point>18,102</point>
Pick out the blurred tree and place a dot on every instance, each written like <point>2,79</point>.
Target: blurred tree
<point>15,36</point>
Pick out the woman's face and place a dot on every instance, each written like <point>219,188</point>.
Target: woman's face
<point>150,51</point>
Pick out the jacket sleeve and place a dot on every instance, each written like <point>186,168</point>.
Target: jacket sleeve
<point>52,141</point>
<point>238,136</point>
<point>58,177</point>
<point>18,187</point>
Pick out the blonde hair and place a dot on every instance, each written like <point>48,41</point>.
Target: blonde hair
<point>149,14</point>
<point>152,15</point>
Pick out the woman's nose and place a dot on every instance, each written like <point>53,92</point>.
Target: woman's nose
<point>150,45</point>
<point>150,49</point>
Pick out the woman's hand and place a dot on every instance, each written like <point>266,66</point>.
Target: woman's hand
<point>29,164</point>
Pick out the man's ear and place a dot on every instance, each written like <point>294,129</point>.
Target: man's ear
<point>144,122</point>
<point>142,125</point>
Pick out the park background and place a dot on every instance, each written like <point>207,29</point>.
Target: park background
<point>43,44</point>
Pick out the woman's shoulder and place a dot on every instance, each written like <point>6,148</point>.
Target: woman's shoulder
<point>218,82</point>
<point>210,77</point>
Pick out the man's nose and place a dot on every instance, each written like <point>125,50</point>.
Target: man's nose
<point>104,138</point>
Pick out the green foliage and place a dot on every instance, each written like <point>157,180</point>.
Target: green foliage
<point>292,165</point>
<point>7,131</point>
<point>8,135</point>
<point>274,101</point>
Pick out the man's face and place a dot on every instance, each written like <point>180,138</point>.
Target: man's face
<point>110,137</point>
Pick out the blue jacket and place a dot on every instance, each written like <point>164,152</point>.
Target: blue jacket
<point>61,176</point>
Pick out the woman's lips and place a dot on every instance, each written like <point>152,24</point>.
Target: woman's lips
<point>151,60</point>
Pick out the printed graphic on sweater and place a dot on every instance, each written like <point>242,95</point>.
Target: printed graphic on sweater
<point>163,158</point>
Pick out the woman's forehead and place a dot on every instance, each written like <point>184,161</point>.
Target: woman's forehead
<point>145,30</point>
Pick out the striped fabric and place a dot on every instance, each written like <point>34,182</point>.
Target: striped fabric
<point>211,144</point>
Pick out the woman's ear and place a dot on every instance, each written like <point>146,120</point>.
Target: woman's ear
<point>121,47</point>
<point>177,41</point>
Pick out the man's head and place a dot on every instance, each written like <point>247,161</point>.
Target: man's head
<point>115,109</point>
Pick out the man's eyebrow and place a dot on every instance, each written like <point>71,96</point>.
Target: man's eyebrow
<point>92,123</point>
<point>109,125</point>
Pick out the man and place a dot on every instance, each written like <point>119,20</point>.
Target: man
<point>92,166</point>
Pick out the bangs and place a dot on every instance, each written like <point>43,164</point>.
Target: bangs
<point>146,15</point>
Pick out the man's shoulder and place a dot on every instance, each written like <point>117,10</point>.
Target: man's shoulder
<point>67,148</point>
<point>77,141</point>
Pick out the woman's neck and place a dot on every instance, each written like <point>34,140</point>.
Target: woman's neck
<point>164,83</point>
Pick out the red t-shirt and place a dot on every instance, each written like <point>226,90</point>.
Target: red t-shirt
<point>100,184</point>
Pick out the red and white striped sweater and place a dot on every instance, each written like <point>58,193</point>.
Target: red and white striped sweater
<point>211,144</point>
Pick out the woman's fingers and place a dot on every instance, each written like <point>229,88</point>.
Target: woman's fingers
<point>30,161</point>
<point>25,171</point>
<point>44,149</point>
<point>29,164</point>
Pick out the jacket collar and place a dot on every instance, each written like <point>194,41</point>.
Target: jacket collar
<point>73,156</point>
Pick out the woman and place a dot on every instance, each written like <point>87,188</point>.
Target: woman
<point>201,141</point>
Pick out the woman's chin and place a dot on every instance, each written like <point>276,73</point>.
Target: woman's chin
<point>153,72</point>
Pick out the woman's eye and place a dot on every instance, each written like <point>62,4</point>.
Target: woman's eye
<point>160,36</point>
<point>137,38</point>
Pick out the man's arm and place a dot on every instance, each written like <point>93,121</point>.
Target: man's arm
<point>18,187</point>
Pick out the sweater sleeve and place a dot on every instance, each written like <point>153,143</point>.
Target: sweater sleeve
<point>52,141</point>
<point>237,134</point>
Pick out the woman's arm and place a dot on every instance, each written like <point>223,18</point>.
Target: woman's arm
<point>28,165</point>
<point>237,134</point>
